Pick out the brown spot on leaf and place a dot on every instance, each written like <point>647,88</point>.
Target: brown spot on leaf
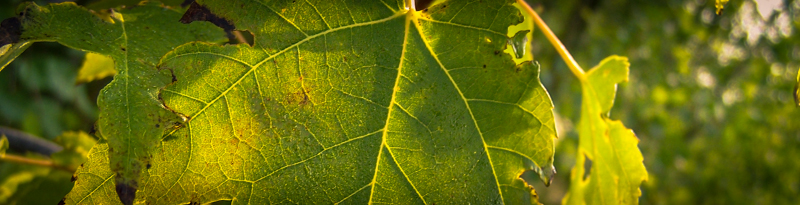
<point>126,193</point>
<point>197,12</point>
<point>10,30</point>
<point>174,79</point>
<point>93,131</point>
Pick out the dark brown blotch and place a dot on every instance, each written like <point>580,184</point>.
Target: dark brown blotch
<point>10,31</point>
<point>197,12</point>
<point>126,193</point>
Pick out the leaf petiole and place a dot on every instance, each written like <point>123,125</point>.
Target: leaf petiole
<point>411,5</point>
<point>538,22</point>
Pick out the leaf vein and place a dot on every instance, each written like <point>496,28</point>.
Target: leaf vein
<point>466,103</point>
<point>318,154</point>
<point>464,26</point>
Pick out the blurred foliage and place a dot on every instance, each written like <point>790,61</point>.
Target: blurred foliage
<point>29,184</point>
<point>709,97</point>
<point>95,67</point>
<point>39,95</point>
<point>3,145</point>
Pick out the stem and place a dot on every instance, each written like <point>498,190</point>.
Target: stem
<point>22,142</point>
<point>538,22</point>
<point>411,5</point>
<point>37,162</point>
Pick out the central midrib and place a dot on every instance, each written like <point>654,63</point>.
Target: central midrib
<point>410,16</point>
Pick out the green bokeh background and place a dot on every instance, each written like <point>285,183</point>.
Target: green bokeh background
<point>709,96</point>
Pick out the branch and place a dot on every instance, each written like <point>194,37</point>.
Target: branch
<point>21,142</point>
<point>538,22</point>
<point>37,162</point>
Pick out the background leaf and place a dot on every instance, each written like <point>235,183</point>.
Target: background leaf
<point>94,182</point>
<point>616,164</point>
<point>95,67</point>
<point>10,52</point>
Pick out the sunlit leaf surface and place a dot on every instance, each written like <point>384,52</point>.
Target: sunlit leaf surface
<point>347,103</point>
<point>605,145</point>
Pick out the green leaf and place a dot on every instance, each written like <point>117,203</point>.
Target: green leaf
<point>352,103</point>
<point>10,52</point>
<point>131,118</point>
<point>522,41</point>
<point>616,163</point>
<point>76,148</point>
<point>94,181</point>
<point>95,67</point>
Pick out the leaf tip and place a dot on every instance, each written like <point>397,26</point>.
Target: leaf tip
<point>125,192</point>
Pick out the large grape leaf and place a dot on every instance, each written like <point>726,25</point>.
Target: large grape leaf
<point>616,163</point>
<point>131,119</point>
<point>347,102</point>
